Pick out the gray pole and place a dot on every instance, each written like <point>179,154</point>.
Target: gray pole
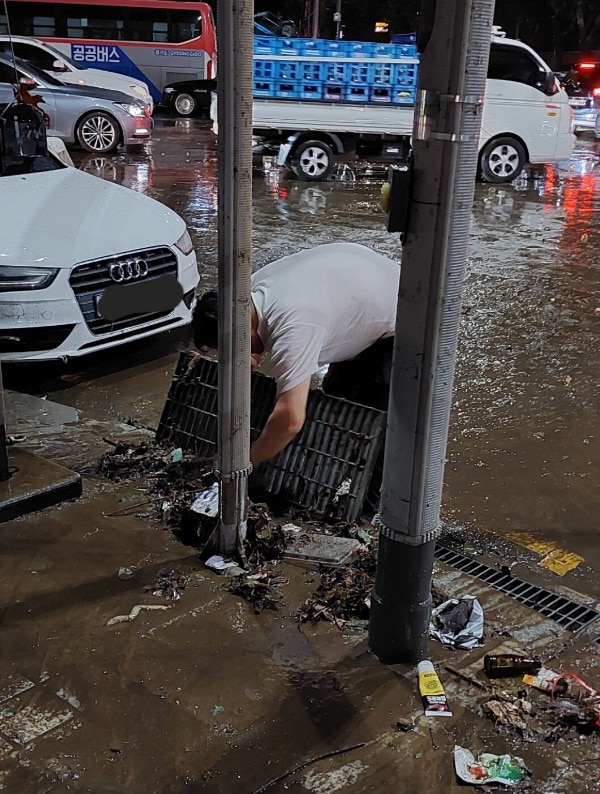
<point>316,18</point>
<point>337,17</point>
<point>446,130</point>
<point>4,470</point>
<point>234,88</point>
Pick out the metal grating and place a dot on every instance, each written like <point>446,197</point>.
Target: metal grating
<point>340,440</point>
<point>569,614</point>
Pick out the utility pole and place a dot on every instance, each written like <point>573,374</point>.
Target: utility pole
<point>234,101</point>
<point>337,18</point>
<point>316,18</point>
<point>454,42</point>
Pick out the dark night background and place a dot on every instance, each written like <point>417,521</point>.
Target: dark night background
<point>549,26</point>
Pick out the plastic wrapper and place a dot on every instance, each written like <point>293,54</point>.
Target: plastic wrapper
<point>458,622</point>
<point>488,768</point>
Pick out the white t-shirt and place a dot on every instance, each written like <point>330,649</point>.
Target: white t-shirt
<point>322,305</point>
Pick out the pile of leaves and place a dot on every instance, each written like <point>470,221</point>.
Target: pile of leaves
<point>259,589</point>
<point>344,593</point>
<point>169,584</point>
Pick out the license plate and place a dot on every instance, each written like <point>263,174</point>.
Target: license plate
<point>578,103</point>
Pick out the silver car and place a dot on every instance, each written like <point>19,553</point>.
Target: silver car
<point>97,119</point>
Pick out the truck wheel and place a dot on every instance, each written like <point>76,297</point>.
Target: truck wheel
<point>185,104</point>
<point>501,160</point>
<point>313,161</point>
<point>98,133</point>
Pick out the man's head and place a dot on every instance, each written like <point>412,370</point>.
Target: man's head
<point>205,320</point>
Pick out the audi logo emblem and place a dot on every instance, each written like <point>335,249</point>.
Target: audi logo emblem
<point>128,270</point>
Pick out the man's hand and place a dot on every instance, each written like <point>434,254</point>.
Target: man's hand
<point>285,421</point>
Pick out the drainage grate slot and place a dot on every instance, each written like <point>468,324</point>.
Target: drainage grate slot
<point>569,614</point>
<point>340,440</point>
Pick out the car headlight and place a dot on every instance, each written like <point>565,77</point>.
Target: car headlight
<point>16,279</point>
<point>133,109</point>
<point>184,243</point>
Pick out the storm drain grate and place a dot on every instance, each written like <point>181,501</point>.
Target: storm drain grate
<point>338,444</point>
<point>569,614</point>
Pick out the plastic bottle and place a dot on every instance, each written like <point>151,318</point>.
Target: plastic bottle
<point>506,664</point>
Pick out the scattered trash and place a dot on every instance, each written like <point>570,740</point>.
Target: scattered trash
<point>488,768</point>
<point>219,563</point>
<point>169,584</point>
<point>291,528</point>
<point>177,455</point>
<point>584,713</point>
<point>134,613</point>
<point>432,692</point>
<point>405,726</point>
<point>127,573</point>
<point>457,622</point>
<point>547,681</point>
<point>206,502</point>
<point>217,710</point>
<point>507,664</point>
<point>510,711</point>
<point>258,589</point>
<point>343,490</point>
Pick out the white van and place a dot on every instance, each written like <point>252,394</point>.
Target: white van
<point>51,60</point>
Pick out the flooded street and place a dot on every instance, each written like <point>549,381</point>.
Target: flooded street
<point>523,446</point>
<point>211,696</point>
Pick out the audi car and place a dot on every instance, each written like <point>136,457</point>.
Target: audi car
<point>85,265</point>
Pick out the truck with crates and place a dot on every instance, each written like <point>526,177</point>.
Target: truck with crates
<point>318,102</point>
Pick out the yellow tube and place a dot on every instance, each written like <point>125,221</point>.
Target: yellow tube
<point>432,692</point>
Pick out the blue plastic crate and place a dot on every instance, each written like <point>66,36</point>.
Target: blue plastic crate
<point>359,49</point>
<point>289,46</point>
<point>384,51</point>
<point>357,73</point>
<point>334,93</point>
<point>381,94</point>
<point>264,69</point>
<point>333,49</point>
<point>404,38</point>
<point>308,90</point>
<point>382,73</point>
<point>405,74</point>
<point>311,71</point>
<point>286,89</point>
<point>357,93</point>
<point>265,45</point>
<point>313,48</point>
<point>403,96</point>
<point>334,73</point>
<point>287,70</point>
<point>263,88</point>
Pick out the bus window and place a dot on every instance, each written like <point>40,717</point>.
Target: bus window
<point>105,23</point>
<point>44,26</point>
<point>185,25</point>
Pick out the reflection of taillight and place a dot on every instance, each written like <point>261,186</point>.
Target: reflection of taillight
<point>596,91</point>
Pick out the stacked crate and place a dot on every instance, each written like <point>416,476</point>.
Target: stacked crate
<point>334,71</point>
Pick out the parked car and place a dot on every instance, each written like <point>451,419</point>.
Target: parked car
<point>97,119</point>
<point>189,96</point>
<point>85,265</point>
<point>582,84</point>
<point>45,56</point>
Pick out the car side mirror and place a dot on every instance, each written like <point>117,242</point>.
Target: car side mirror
<point>550,84</point>
<point>27,82</point>
<point>60,66</point>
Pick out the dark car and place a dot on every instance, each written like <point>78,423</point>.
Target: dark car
<point>582,84</point>
<point>189,97</point>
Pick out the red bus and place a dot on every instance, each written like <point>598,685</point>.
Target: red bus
<point>157,41</point>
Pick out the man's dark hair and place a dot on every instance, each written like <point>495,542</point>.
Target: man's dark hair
<point>205,320</point>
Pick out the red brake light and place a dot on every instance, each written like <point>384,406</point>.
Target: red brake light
<point>585,66</point>
<point>596,91</point>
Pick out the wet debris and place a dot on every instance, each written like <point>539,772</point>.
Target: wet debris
<point>344,594</point>
<point>168,584</point>
<point>510,710</point>
<point>259,589</point>
<point>135,611</point>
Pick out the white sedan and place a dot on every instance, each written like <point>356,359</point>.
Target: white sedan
<point>85,264</point>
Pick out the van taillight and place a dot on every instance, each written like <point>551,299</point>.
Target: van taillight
<point>586,67</point>
<point>596,91</point>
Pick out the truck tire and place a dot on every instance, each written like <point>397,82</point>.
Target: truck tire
<point>501,159</point>
<point>185,104</point>
<point>313,161</point>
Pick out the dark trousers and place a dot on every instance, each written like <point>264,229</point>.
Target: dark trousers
<point>365,380</point>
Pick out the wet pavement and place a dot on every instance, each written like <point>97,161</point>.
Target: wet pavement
<point>208,696</point>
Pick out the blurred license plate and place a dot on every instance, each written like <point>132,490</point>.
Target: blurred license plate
<point>578,103</point>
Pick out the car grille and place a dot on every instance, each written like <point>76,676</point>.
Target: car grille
<point>88,282</point>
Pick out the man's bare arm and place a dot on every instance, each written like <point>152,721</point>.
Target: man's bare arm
<point>285,421</point>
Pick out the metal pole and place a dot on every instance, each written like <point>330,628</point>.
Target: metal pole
<point>337,17</point>
<point>454,41</point>
<point>316,18</point>
<point>235,47</point>
<point>4,470</point>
